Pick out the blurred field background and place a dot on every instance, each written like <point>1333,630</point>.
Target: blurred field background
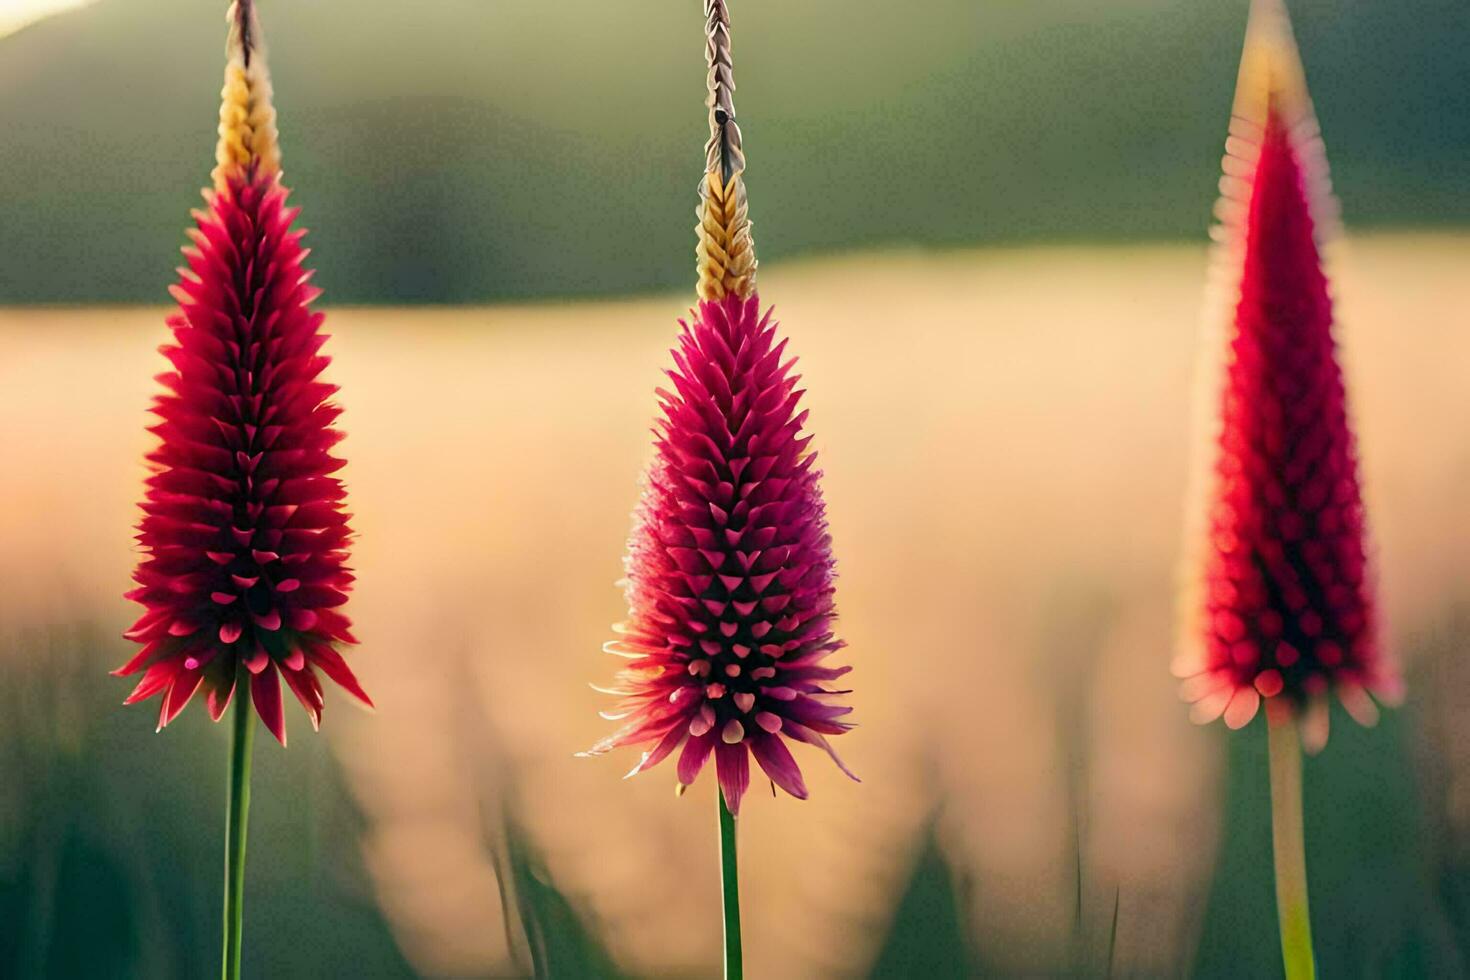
<point>982,226</point>
<point>475,150</point>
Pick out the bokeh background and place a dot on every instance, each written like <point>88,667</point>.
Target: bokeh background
<point>983,226</point>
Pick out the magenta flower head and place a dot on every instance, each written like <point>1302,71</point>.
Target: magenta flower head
<point>730,571</point>
<point>244,536</point>
<point>1283,610</point>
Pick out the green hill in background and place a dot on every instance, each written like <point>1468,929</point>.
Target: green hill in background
<point>466,150</point>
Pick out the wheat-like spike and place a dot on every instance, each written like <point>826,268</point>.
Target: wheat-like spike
<point>247,119</point>
<point>725,255</point>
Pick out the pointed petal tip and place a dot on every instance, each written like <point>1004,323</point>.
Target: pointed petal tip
<point>1244,704</point>
<point>265,692</point>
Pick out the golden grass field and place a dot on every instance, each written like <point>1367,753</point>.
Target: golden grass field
<point>1005,437</point>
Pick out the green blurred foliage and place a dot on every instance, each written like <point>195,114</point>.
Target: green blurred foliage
<point>111,837</point>
<point>111,841</point>
<point>467,150</point>
<point>110,844</point>
<point>561,940</point>
<point>1374,913</point>
<point>927,937</point>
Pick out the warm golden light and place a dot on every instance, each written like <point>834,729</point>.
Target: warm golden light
<point>15,14</point>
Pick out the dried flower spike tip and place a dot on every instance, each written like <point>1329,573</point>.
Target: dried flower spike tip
<point>247,117</point>
<point>725,253</point>
<point>730,572</point>
<point>244,534</point>
<point>1284,610</point>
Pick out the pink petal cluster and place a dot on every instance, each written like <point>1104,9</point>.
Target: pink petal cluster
<point>1288,611</point>
<point>730,572</point>
<point>244,534</point>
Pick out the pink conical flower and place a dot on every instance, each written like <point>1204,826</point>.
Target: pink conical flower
<point>730,572</point>
<point>1284,609</point>
<point>244,535</point>
<point>730,567</point>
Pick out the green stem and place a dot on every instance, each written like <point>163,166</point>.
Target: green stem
<point>237,815</point>
<point>730,889</point>
<point>1289,848</point>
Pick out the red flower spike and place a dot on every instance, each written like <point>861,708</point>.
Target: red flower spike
<point>730,571</point>
<point>1284,607</point>
<point>244,534</point>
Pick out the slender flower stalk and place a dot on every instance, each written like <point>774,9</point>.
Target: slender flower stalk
<point>244,534</point>
<point>237,818</point>
<point>730,893</point>
<point>730,572</point>
<point>1281,607</point>
<point>1288,844</point>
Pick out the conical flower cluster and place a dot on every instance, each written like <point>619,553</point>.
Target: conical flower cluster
<point>1285,605</point>
<point>730,568</point>
<point>730,572</point>
<point>243,531</point>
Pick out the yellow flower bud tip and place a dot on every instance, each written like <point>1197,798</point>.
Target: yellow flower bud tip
<point>1271,75</point>
<point>725,254</point>
<point>248,141</point>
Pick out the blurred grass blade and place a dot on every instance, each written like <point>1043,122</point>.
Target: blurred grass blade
<point>927,937</point>
<point>561,943</point>
<point>1113,932</point>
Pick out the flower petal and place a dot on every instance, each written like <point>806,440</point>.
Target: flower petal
<point>332,664</point>
<point>732,765</point>
<point>776,759</point>
<point>660,751</point>
<point>185,683</point>
<point>694,756</point>
<point>1242,707</point>
<point>265,691</point>
<point>308,690</point>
